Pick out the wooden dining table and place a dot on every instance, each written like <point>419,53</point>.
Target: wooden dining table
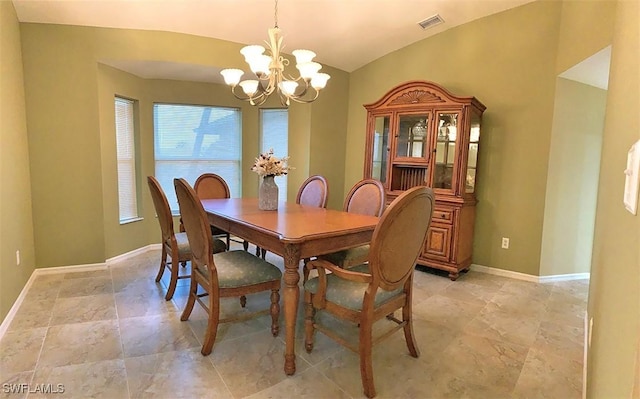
<point>294,232</point>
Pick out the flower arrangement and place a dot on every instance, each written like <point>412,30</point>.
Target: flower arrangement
<point>269,165</point>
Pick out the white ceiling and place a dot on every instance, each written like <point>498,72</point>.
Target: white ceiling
<point>346,34</point>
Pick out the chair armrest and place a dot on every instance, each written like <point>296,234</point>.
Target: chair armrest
<point>346,274</point>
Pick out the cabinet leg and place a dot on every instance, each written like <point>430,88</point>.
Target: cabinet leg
<point>454,276</point>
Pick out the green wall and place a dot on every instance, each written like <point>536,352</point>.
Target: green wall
<point>69,93</point>
<point>572,180</point>
<point>16,222</point>
<point>614,296</point>
<point>509,62</point>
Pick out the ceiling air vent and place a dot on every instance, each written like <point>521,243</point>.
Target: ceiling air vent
<point>431,21</point>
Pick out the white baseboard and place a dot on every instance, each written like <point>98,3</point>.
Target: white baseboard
<point>16,305</point>
<point>66,269</point>
<point>131,254</point>
<point>529,277</point>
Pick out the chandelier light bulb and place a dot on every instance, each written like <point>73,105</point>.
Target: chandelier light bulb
<point>250,87</point>
<point>288,87</point>
<point>232,76</point>
<point>251,52</point>
<point>308,69</point>
<point>319,81</point>
<point>260,64</point>
<point>303,56</point>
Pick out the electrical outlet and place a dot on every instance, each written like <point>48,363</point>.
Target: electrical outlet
<point>505,243</point>
<point>18,258</point>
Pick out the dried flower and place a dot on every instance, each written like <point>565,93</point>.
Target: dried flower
<point>269,165</point>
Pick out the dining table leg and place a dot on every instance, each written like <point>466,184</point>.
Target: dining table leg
<point>291,299</point>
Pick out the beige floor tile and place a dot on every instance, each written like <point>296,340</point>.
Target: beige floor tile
<point>558,338</point>
<point>84,286</point>
<point>155,334</point>
<point>448,312</point>
<point>549,375</point>
<point>252,363</point>
<point>19,350</point>
<point>481,362</point>
<point>87,274</point>
<point>501,324</point>
<point>102,379</point>
<point>33,314</point>
<point>69,344</point>
<point>44,287</point>
<point>309,384</point>
<point>180,374</point>
<point>469,292</point>
<point>84,308</point>
<point>139,301</point>
<point>15,385</point>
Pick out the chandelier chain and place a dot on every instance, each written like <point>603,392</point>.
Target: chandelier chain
<point>275,16</point>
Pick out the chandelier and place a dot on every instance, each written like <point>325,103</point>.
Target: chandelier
<point>269,70</point>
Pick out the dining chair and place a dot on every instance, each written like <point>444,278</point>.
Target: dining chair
<point>369,292</point>
<point>226,274</point>
<point>313,192</point>
<point>212,186</point>
<point>366,197</point>
<point>176,245</point>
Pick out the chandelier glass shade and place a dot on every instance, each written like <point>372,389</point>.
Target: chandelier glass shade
<point>270,76</point>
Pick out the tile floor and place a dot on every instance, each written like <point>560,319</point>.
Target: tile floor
<point>111,334</point>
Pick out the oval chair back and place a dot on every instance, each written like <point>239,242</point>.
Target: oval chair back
<point>196,226</point>
<point>211,186</point>
<point>163,210</point>
<point>313,192</point>
<point>366,197</point>
<point>399,236</point>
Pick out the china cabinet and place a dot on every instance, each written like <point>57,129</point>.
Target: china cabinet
<point>420,134</point>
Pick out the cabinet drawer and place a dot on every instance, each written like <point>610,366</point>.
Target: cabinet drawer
<point>442,215</point>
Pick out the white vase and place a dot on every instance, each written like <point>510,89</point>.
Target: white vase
<point>268,194</point>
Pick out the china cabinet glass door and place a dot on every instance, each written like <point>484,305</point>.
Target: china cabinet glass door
<point>380,159</point>
<point>412,136</point>
<point>446,148</point>
<point>472,160</point>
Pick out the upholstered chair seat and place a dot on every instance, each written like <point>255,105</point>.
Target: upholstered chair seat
<point>348,257</point>
<point>348,293</point>
<point>241,269</point>
<point>184,251</point>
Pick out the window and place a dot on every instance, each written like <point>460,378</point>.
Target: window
<point>274,132</point>
<point>126,154</point>
<point>191,140</point>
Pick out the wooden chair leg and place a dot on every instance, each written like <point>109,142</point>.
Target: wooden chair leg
<point>243,301</point>
<point>366,363</point>
<point>212,325</point>
<point>263,253</point>
<point>245,245</point>
<point>409,336</point>
<point>275,312</point>
<point>309,319</point>
<point>228,242</point>
<point>193,293</point>
<point>163,264</point>
<point>173,282</point>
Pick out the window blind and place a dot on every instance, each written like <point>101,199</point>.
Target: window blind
<point>190,140</point>
<point>274,131</point>
<point>126,155</point>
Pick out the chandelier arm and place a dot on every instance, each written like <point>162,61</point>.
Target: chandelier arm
<point>255,100</point>
<point>305,101</point>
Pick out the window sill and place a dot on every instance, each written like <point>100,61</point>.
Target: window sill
<point>132,220</point>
